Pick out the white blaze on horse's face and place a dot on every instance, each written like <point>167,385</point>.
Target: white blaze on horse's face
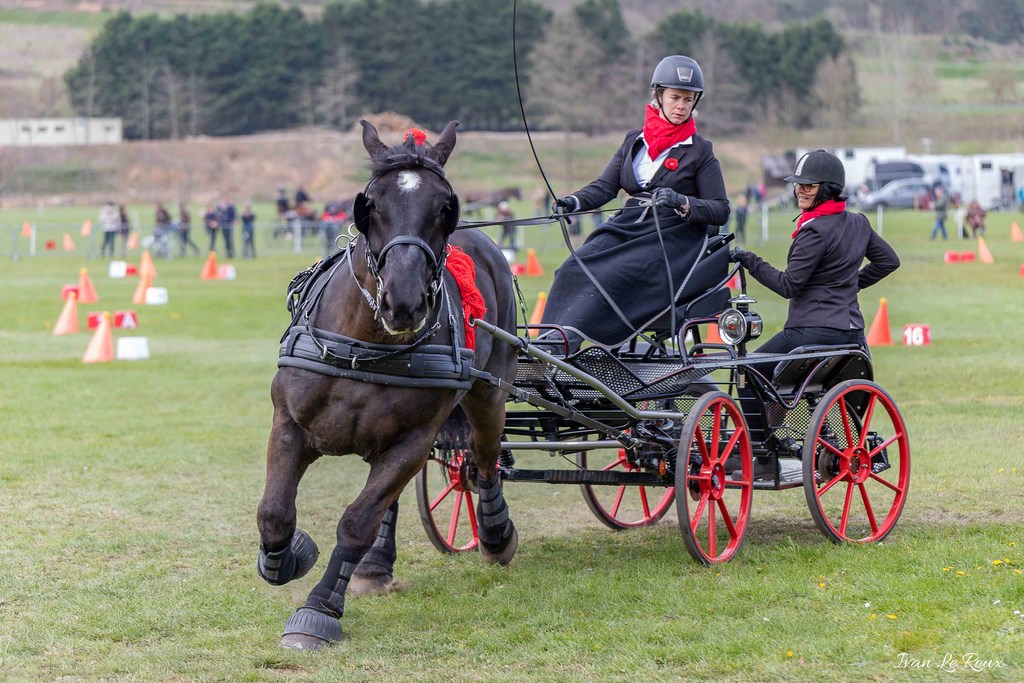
<point>409,181</point>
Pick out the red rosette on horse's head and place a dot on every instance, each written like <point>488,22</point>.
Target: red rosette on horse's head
<point>418,136</point>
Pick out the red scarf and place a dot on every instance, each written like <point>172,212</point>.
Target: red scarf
<point>828,208</point>
<point>660,134</point>
<point>461,266</point>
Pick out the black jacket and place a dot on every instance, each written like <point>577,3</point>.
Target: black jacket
<point>628,254</point>
<point>823,270</point>
<point>698,176</point>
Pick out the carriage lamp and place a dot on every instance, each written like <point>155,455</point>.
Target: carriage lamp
<point>736,326</point>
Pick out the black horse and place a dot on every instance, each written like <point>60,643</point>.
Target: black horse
<point>374,363</point>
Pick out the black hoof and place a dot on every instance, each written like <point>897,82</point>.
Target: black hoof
<point>504,555</point>
<point>308,629</point>
<point>291,562</point>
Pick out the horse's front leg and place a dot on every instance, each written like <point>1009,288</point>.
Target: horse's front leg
<point>317,623</point>
<point>285,553</point>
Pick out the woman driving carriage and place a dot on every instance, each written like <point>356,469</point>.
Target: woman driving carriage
<point>677,199</point>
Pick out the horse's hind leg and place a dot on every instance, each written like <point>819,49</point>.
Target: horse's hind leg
<point>285,553</point>
<point>375,573</point>
<point>498,536</point>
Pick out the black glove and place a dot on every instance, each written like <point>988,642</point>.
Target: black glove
<point>666,196</point>
<point>738,254</point>
<point>564,205</point>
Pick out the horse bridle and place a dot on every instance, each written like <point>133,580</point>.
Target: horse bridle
<point>374,262</point>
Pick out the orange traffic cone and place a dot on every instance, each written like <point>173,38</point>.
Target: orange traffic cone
<point>69,244</point>
<point>86,292</point>
<point>1015,234</point>
<point>210,267</point>
<point>26,229</point>
<point>145,281</point>
<point>538,309</point>
<point>101,346</point>
<point>532,264</point>
<point>984,255</point>
<point>86,227</point>
<point>713,336</point>
<point>146,265</point>
<point>133,241</point>
<point>67,323</point>
<point>879,334</point>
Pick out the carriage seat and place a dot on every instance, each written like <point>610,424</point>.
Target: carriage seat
<point>790,374</point>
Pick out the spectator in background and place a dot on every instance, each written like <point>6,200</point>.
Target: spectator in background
<point>334,215</point>
<point>508,230</point>
<point>976,218</point>
<point>126,228</point>
<point>110,223</point>
<point>281,203</point>
<point>941,205</point>
<point>248,232</point>
<point>226,216</point>
<point>741,218</point>
<point>185,230</point>
<point>211,224</point>
<point>302,203</point>
<point>161,231</point>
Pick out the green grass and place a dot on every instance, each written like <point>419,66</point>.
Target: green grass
<point>128,492</point>
<point>90,20</point>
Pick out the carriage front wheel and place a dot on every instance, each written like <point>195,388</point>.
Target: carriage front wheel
<point>445,490</point>
<point>714,478</point>
<point>856,463</point>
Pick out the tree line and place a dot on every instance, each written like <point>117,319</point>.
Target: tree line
<point>273,67</point>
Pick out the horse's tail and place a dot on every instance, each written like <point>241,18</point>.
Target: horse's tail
<point>455,431</point>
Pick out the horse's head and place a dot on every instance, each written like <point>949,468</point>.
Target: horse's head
<point>406,213</point>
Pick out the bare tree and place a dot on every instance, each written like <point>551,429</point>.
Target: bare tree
<point>336,101</point>
<point>836,88</point>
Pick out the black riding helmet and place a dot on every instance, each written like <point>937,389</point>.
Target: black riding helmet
<point>679,72</point>
<point>823,168</point>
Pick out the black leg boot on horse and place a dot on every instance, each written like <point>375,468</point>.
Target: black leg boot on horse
<point>375,573</point>
<point>498,536</point>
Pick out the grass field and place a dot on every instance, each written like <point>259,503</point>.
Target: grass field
<point>128,492</point>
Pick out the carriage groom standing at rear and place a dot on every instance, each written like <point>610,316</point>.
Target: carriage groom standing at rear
<point>678,198</point>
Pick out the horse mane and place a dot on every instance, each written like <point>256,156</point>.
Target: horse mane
<point>413,152</point>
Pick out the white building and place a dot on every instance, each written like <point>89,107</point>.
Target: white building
<point>28,132</point>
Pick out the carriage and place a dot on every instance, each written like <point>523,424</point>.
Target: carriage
<point>403,348</point>
<point>678,415</point>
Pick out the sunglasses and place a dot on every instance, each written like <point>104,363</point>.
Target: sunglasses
<point>805,188</point>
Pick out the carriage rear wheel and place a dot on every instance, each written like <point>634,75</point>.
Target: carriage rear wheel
<point>714,479</point>
<point>623,507</point>
<point>856,461</point>
<point>444,492</point>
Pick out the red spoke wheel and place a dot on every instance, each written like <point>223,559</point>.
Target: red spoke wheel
<point>714,507</point>
<point>445,491</point>
<point>622,507</point>
<point>856,461</point>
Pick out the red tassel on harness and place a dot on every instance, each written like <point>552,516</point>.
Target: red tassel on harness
<point>418,136</point>
<point>462,268</point>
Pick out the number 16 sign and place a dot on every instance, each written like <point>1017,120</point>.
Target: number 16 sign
<point>916,334</point>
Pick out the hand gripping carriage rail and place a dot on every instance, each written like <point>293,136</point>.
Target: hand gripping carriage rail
<point>669,419</point>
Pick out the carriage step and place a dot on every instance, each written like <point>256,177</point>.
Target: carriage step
<point>791,475</point>
<point>591,477</point>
